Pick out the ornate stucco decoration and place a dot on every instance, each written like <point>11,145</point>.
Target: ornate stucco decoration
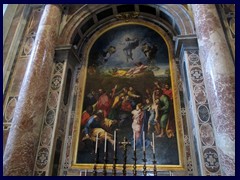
<point>127,16</point>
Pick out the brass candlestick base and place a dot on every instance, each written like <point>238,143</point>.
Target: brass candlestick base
<point>135,162</point>
<point>144,163</point>
<point>154,165</point>
<point>114,165</point>
<point>95,165</point>
<point>104,165</point>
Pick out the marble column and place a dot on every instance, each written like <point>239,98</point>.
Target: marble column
<point>21,147</point>
<point>219,75</point>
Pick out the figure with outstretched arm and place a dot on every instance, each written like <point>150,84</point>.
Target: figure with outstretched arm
<point>130,44</point>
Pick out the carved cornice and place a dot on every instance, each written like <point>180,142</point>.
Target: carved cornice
<point>183,42</point>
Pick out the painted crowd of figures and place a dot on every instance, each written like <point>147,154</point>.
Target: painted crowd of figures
<point>105,112</point>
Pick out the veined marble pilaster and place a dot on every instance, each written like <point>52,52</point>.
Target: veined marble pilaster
<point>23,137</point>
<point>219,73</point>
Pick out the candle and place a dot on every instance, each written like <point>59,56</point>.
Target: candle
<point>105,144</point>
<point>96,146</point>
<point>153,143</point>
<point>85,172</point>
<point>134,141</point>
<point>80,174</point>
<point>114,146</point>
<point>143,140</point>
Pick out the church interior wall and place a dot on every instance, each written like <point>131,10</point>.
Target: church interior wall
<point>79,24</point>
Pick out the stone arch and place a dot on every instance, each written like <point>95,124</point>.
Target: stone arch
<point>175,17</point>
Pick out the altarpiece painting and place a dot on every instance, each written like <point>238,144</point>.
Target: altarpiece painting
<point>128,96</point>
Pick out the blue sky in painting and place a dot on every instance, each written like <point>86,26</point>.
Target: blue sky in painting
<point>116,37</point>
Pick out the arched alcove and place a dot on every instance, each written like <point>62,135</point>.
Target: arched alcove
<point>82,30</point>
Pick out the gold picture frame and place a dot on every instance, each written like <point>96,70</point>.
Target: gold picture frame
<point>175,96</point>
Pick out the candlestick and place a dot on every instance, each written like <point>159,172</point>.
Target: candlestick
<point>144,163</point>
<point>114,154</point>
<point>114,146</point>
<point>144,156</point>
<point>104,165</point>
<point>144,141</point>
<point>105,156</point>
<point>154,165</point>
<point>95,165</point>
<point>153,143</point>
<point>85,172</point>
<point>114,164</point>
<point>80,174</point>
<point>105,144</point>
<point>135,162</point>
<point>134,141</point>
<point>96,158</point>
<point>96,146</point>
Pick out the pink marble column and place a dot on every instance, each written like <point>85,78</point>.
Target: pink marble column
<point>219,75</point>
<point>23,138</point>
